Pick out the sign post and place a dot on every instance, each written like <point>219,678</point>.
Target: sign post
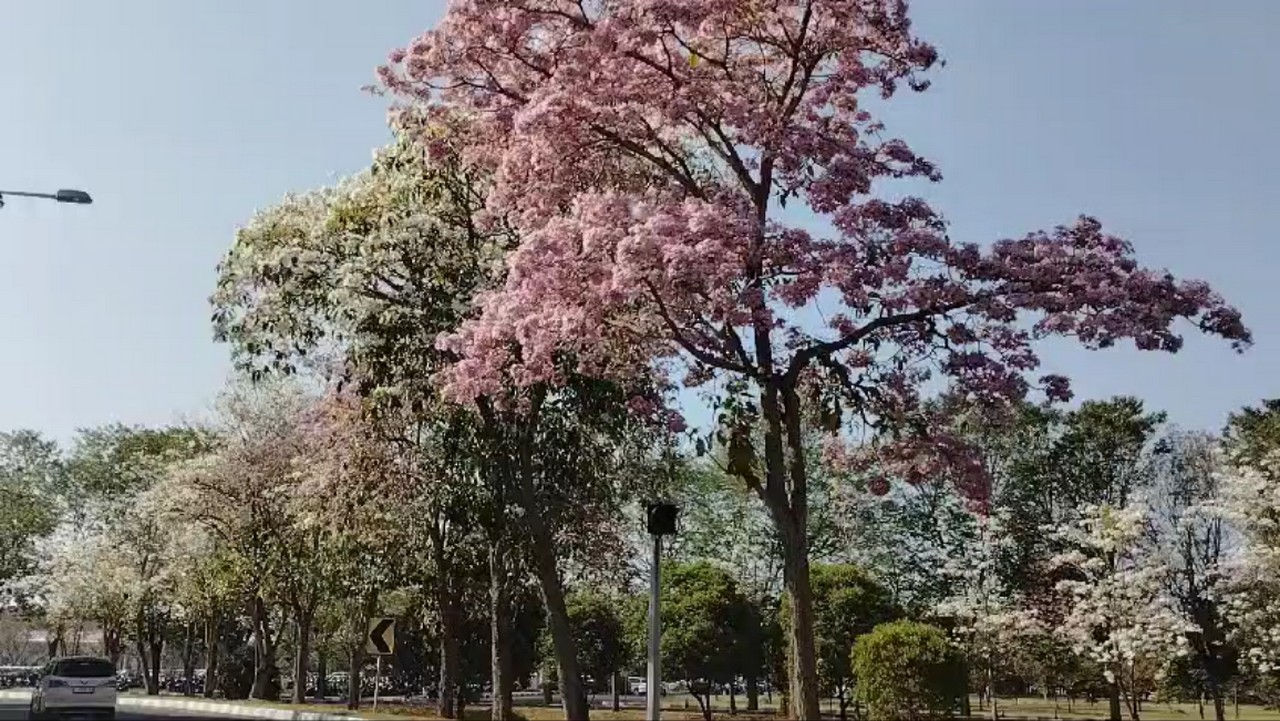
<point>660,521</point>
<point>380,641</point>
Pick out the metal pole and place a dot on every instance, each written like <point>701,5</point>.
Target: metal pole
<point>654,701</point>
<point>377,681</point>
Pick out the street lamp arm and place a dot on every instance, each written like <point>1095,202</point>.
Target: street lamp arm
<point>78,197</point>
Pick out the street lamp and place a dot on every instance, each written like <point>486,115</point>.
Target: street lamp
<point>660,520</point>
<point>78,197</point>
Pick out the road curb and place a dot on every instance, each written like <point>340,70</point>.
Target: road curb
<point>206,707</point>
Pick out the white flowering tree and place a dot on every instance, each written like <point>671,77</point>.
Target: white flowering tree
<point>1197,542</point>
<point>987,617</point>
<point>1118,614</point>
<point>79,579</point>
<point>1249,499</point>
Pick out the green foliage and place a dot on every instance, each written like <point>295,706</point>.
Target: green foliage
<point>707,625</point>
<point>907,670</point>
<point>847,603</point>
<point>377,266</point>
<point>32,480</point>
<point>599,634</point>
<point>115,461</point>
<point>1252,433</point>
<point>634,610</point>
<point>725,521</point>
<point>1048,463</point>
<point>1100,454</point>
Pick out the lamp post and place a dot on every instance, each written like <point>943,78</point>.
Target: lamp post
<point>660,521</point>
<point>77,197</point>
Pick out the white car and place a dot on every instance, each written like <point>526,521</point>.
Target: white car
<point>79,685</point>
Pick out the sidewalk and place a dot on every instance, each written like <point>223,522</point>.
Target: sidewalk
<point>204,706</point>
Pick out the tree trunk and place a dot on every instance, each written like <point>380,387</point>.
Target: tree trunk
<point>355,677</point>
<point>704,703</point>
<point>500,635</point>
<point>140,648</point>
<point>189,659</point>
<point>1219,706</point>
<point>54,639</point>
<point>211,645</point>
<point>450,656</point>
<point>789,509</point>
<point>1113,699</point>
<point>803,674</point>
<point>499,615</point>
<point>157,647</point>
<point>1135,703</point>
<point>355,680</point>
<point>302,653</point>
<point>1133,707</point>
<point>264,653</point>
<point>572,695</point>
<point>142,644</point>
<point>322,670</point>
<point>542,548</point>
<point>753,693</point>
<point>111,643</point>
<point>991,690</point>
<point>615,693</point>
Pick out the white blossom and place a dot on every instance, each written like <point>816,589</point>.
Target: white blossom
<point>1249,499</point>
<point>1118,613</point>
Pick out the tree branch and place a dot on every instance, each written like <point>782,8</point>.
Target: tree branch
<point>678,334</point>
<point>809,354</point>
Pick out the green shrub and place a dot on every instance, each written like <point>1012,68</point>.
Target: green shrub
<point>907,670</point>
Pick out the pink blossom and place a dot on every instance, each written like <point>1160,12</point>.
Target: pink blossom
<point>643,159</point>
<point>878,485</point>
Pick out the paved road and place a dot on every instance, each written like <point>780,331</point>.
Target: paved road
<point>11,711</point>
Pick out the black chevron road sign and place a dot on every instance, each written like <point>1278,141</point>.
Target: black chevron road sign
<point>381,640</point>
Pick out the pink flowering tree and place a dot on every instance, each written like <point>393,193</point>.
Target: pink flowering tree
<point>649,151</point>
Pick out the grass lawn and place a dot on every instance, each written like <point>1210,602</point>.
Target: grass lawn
<point>674,709</point>
<point>1151,711</point>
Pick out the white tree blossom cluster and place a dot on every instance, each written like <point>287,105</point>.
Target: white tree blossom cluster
<point>1119,615</point>
<point>989,618</point>
<point>111,574</point>
<point>1249,499</point>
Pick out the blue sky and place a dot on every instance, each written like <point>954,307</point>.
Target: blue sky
<point>181,118</point>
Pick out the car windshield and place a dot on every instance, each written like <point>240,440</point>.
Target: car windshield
<point>84,668</point>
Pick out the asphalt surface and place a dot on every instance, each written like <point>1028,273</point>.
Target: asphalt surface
<point>17,711</point>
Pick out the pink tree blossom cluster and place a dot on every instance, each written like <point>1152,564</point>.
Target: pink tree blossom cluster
<point>649,153</point>
<point>646,149</point>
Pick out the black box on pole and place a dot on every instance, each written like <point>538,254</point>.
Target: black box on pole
<point>660,519</point>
